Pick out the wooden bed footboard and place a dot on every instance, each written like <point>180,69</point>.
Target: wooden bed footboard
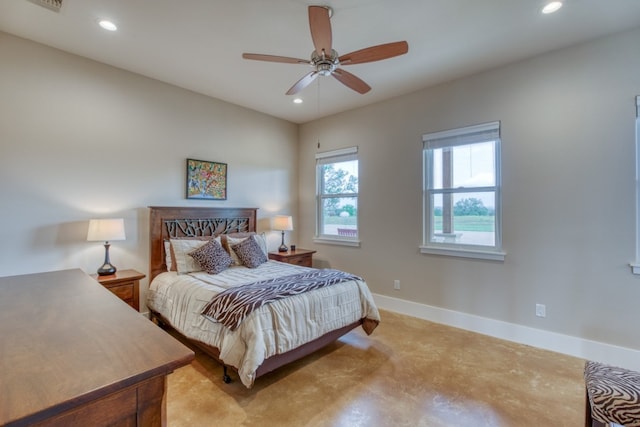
<point>274,362</point>
<point>271,363</point>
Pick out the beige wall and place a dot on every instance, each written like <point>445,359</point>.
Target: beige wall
<point>568,150</point>
<point>80,140</point>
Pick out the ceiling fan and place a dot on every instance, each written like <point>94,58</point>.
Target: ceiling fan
<point>326,61</point>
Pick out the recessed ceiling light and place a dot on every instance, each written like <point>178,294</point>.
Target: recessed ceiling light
<point>552,7</point>
<point>297,101</point>
<point>107,25</point>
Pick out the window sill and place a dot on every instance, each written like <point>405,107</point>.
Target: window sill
<point>336,241</point>
<point>635,267</point>
<point>464,253</point>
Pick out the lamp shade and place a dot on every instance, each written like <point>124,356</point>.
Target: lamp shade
<point>105,230</point>
<point>282,223</point>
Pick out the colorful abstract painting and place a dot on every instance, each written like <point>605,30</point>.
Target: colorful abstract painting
<point>206,180</point>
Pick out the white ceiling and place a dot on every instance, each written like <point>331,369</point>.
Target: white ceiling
<point>197,44</point>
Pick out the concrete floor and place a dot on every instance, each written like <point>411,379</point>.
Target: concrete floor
<point>409,372</point>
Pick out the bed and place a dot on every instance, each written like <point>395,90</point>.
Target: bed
<point>273,334</point>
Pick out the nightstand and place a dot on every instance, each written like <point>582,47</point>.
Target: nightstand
<point>302,257</point>
<point>125,284</point>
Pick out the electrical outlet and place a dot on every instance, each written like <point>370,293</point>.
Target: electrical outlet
<point>541,310</point>
<point>396,285</point>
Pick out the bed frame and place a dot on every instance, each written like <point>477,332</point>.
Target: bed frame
<point>172,222</point>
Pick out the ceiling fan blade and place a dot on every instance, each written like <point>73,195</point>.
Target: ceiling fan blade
<point>351,81</point>
<point>320,29</point>
<point>303,82</point>
<point>274,58</point>
<point>375,53</point>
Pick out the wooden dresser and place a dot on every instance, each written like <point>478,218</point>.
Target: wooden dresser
<point>72,354</point>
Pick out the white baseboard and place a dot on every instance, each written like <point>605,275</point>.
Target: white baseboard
<point>573,346</point>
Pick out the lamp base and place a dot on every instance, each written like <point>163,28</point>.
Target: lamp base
<point>106,270</point>
<point>283,247</point>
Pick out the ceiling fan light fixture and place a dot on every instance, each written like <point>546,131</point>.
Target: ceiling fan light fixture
<point>551,7</point>
<point>324,69</point>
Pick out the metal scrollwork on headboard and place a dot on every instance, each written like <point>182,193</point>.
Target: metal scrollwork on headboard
<point>205,227</point>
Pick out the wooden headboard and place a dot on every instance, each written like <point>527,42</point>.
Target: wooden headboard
<point>170,222</point>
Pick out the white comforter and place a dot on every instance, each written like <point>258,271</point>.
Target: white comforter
<point>273,328</point>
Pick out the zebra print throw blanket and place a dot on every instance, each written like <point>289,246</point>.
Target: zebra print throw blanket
<point>231,306</point>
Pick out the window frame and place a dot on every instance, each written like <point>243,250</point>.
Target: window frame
<point>323,158</point>
<point>452,138</point>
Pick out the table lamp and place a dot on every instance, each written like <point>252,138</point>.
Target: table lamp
<point>282,223</point>
<point>106,230</point>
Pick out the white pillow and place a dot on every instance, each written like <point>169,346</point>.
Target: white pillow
<point>167,254</point>
<point>260,238</point>
<point>181,248</point>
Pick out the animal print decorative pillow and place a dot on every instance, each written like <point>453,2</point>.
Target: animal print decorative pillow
<point>235,238</point>
<point>249,252</point>
<point>212,257</point>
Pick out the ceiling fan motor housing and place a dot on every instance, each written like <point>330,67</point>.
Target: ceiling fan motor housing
<point>325,65</point>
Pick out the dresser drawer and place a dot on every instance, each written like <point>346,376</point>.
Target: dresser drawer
<point>301,257</point>
<point>118,409</point>
<point>304,260</point>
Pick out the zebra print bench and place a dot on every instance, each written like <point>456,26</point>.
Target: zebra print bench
<point>613,395</point>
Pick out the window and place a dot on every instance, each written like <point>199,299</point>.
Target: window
<point>461,192</point>
<point>337,197</point>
